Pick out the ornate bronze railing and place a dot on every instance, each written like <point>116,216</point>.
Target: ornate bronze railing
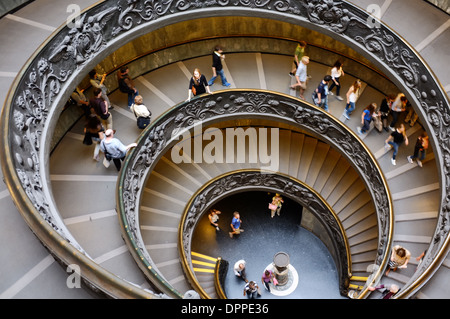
<point>231,105</point>
<point>44,84</point>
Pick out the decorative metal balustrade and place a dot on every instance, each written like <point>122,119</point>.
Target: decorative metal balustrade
<point>164,133</point>
<point>45,82</point>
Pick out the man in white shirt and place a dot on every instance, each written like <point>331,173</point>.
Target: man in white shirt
<point>301,76</point>
<point>239,270</point>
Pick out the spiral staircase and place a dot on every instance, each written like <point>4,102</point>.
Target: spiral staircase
<point>84,190</point>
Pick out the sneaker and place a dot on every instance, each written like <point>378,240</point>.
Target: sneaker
<point>392,128</point>
<point>419,163</point>
<point>393,161</point>
<point>387,146</point>
<point>359,130</point>
<point>330,93</point>
<point>217,228</point>
<point>410,159</point>
<point>346,116</point>
<point>227,85</point>
<point>339,98</point>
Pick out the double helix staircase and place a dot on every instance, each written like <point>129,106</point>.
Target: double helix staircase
<point>84,190</point>
<point>170,186</point>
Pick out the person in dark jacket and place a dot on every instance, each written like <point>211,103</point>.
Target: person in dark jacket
<point>101,108</point>
<point>126,85</point>
<point>217,67</point>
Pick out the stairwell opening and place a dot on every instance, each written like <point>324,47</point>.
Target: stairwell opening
<point>295,231</point>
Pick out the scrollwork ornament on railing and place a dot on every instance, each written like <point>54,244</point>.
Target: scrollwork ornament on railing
<point>240,104</point>
<point>84,39</point>
<point>30,114</point>
<point>397,57</point>
<point>58,63</point>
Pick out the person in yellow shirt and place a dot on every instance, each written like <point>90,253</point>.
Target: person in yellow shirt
<point>299,53</point>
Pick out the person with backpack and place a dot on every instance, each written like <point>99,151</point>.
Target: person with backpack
<point>320,95</point>
<point>114,149</point>
<point>126,85</point>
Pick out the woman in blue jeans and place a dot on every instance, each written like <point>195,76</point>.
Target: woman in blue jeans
<point>397,138</point>
<point>366,118</point>
<point>352,96</point>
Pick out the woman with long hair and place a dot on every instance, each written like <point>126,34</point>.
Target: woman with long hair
<point>95,130</point>
<point>366,117</point>
<point>336,73</point>
<point>198,84</point>
<point>397,138</point>
<point>352,96</point>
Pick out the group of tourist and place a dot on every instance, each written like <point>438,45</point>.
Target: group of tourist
<point>392,106</point>
<point>236,222</point>
<point>99,121</point>
<point>251,288</point>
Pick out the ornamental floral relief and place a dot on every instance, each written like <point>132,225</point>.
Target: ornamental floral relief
<point>85,38</point>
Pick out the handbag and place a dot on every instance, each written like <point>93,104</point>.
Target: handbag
<point>142,122</point>
<point>272,206</point>
<point>275,281</point>
<point>106,162</point>
<point>108,158</point>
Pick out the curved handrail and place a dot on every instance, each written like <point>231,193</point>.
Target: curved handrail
<point>46,80</point>
<point>217,282</point>
<point>247,179</point>
<point>164,132</point>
